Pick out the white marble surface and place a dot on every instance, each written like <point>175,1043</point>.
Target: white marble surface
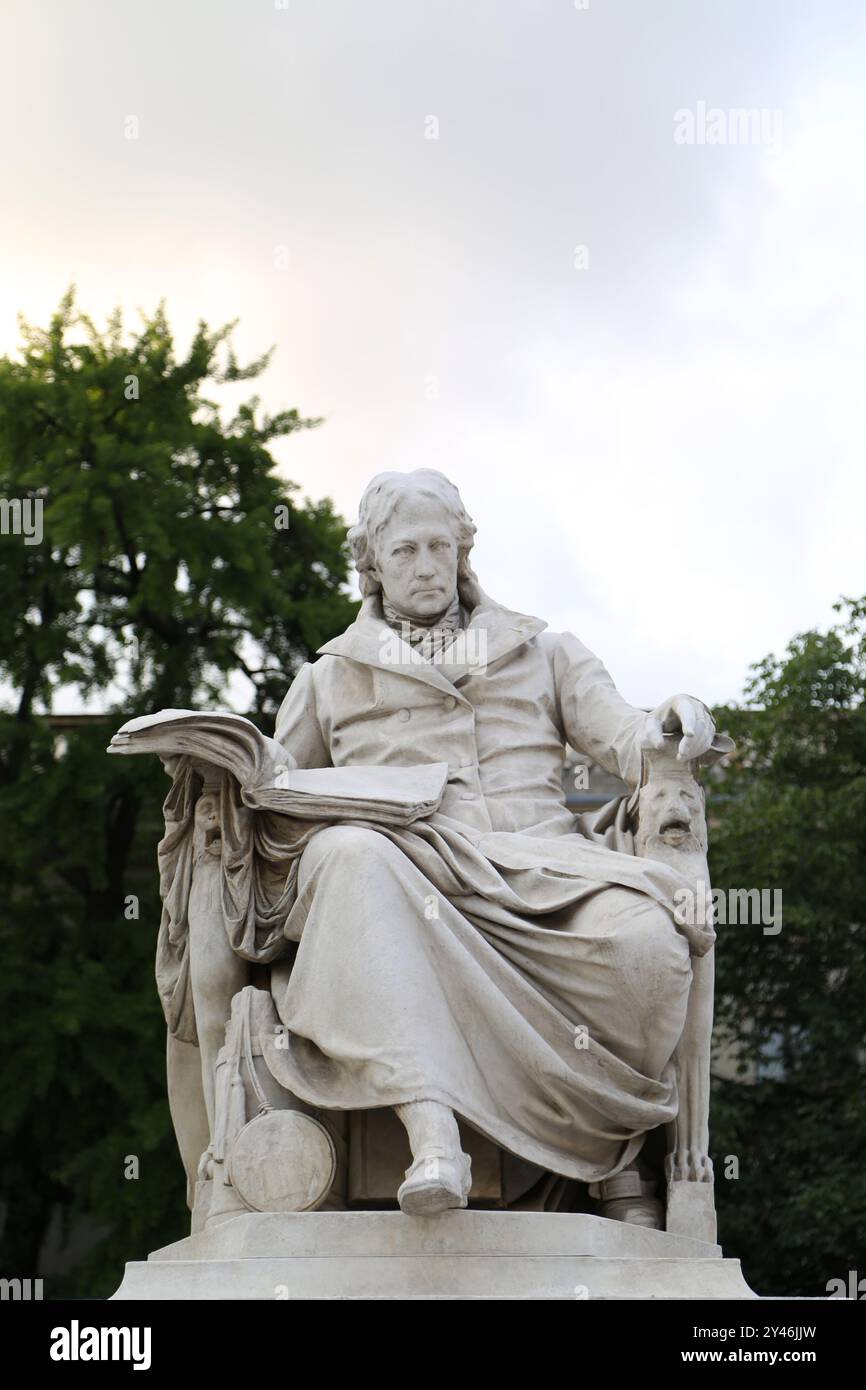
<point>461,1255</point>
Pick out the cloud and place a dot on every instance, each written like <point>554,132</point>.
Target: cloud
<point>661,450</point>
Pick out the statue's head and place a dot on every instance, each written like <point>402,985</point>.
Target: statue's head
<point>669,807</point>
<point>412,542</point>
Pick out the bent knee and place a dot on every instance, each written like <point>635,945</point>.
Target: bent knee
<point>650,940</point>
<point>352,845</point>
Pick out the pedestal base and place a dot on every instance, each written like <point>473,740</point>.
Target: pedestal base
<point>457,1255</point>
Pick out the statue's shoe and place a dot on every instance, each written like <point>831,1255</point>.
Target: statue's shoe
<point>638,1211</point>
<point>437,1181</point>
<point>630,1197</point>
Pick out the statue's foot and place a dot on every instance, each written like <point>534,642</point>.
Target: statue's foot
<point>631,1197</point>
<point>638,1211</point>
<point>439,1177</point>
<point>437,1181</point>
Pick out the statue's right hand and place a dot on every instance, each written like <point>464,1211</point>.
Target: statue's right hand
<point>684,715</point>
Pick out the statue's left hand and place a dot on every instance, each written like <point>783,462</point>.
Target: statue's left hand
<point>680,714</point>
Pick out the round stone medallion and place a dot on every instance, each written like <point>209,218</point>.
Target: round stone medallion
<point>283,1161</point>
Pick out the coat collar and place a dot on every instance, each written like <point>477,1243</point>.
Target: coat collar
<point>493,632</point>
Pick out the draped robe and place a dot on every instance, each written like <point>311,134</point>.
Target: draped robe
<point>504,956</point>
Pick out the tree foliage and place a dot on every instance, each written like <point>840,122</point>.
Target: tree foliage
<point>160,574</point>
<point>790,814</point>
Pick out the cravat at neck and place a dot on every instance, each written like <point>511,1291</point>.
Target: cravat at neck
<point>431,638</point>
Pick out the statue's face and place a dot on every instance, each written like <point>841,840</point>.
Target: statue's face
<point>416,558</point>
<point>671,812</point>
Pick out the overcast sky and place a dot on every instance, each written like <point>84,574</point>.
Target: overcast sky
<point>660,436</point>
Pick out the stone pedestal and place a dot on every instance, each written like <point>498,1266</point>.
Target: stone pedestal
<point>458,1255</point>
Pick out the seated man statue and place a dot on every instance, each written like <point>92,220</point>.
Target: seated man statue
<point>501,960</point>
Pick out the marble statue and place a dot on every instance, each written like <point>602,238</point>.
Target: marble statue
<point>426,936</point>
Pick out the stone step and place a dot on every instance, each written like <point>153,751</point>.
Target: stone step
<point>425,1276</point>
<point>467,1254</point>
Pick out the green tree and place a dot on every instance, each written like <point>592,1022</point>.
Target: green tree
<point>790,814</point>
<point>164,569</point>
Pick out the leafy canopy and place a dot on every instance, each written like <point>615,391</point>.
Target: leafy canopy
<point>790,813</point>
<point>161,558</point>
<point>160,575</point>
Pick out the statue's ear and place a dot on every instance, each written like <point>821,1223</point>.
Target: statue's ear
<point>719,748</point>
<point>469,590</point>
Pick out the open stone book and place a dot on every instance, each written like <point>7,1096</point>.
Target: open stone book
<point>269,779</point>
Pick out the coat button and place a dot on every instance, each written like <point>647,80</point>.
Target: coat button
<point>403,715</point>
<point>450,702</point>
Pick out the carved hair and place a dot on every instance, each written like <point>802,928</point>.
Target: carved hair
<point>380,498</point>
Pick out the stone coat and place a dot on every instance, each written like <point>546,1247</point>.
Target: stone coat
<point>501,726</point>
<point>503,957</point>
